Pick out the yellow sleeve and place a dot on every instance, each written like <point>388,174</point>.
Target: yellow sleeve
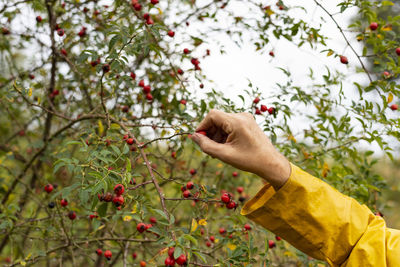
<point>323,223</point>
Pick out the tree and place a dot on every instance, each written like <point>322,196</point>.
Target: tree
<point>99,98</point>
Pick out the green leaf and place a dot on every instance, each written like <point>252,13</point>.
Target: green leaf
<point>102,210</point>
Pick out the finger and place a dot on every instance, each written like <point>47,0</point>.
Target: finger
<point>216,118</point>
<point>209,146</point>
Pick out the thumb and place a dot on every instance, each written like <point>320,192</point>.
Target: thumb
<point>214,149</point>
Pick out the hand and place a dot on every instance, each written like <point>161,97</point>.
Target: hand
<point>236,139</point>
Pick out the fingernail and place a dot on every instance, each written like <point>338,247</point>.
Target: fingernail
<point>195,137</point>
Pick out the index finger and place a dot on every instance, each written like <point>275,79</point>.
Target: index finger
<point>217,119</point>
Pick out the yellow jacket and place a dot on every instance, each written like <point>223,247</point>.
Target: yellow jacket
<point>325,224</point>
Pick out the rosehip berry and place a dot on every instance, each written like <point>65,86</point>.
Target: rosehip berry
<point>106,68</point>
<point>99,252</point>
<point>153,220</point>
<point>190,185</point>
<point>142,264</point>
<point>171,33</point>
<point>258,112</point>
<point>195,61</point>
<point>64,202</point>
<point>187,194</point>
<point>129,141</point>
<point>48,188</point>
<point>239,189</point>
<point>149,97</point>
<point>231,205</point>
<point>386,73</point>
<point>125,109</point>
<point>72,215</point>
<point>271,53</point>
<point>271,244</point>
<point>31,76</point>
<point>186,51</point>
<point>148,226</point>
<point>247,227</point>
<point>271,110</point>
<point>208,244</point>
<point>180,71</point>
<point>263,108</point>
<point>183,102</point>
<point>202,132</point>
<point>118,200</point>
<point>63,52</point>
<point>146,89</point>
<point>225,198</point>
<point>137,7</point>
<point>169,262</point>
<point>373,26</point>
<point>173,154</point>
<point>108,197</point>
<point>222,230</point>
<point>183,188</point>
<point>141,83</point>
<point>230,236</point>
<point>146,16</point>
<point>119,189</point>
<point>192,172</point>
<point>51,205</point>
<point>344,60</point>
<point>92,216</point>
<point>39,19</point>
<point>235,174</point>
<point>141,227</point>
<point>181,260</point>
<point>134,255</point>
<point>60,32</point>
<point>256,100</point>
<point>398,51</point>
<point>149,21</point>
<point>171,251</point>
<point>394,107</point>
<point>108,254</point>
<point>154,2</point>
<point>278,238</point>
<point>201,86</point>
<point>212,238</point>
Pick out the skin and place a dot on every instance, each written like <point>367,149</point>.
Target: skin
<point>236,139</point>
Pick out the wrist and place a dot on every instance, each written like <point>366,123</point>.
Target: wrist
<point>277,171</point>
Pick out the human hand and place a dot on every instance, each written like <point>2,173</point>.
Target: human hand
<point>236,139</point>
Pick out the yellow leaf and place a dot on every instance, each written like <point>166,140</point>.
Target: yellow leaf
<point>231,246</point>
<point>38,100</point>
<point>101,128</point>
<point>101,227</point>
<point>220,165</point>
<point>23,263</point>
<point>216,240</point>
<point>203,222</point>
<point>325,170</point>
<point>127,218</point>
<point>27,257</point>
<point>288,253</point>
<point>134,209</point>
<point>360,37</point>
<point>30,91</point>
<point>163,251</point>
<point>330,53</point>
<point>387,27</point>
<point>269,12</point>
<point>380,36</point>
<point>291,137</point>
<point>159,11</point>
<point>194,225</point>
<point>204,188</point>
<point>390,98</point>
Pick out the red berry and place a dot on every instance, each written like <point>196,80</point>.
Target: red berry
<point>258,112</point>
<point>108,254</point>
<point>271,244</point>
<point>171,251</point>
<point>373,26</point>
<point>278,238</point>
<point>195,61</point>
<point>231,205</point>
<point>146,16</point>
<point>129,141</point>
<point>99,252</point>
<point>212,238</point>
<point>181,260</point>
<point>64,52</point>
<point>173,154</point>
<point>230,236</point>
<point>386,73</point>
<point>394,107</point>
<point>201,85</point>
<point>146,89</point>
<point>186,51</point>
<point>235,174</point>
<point>186,194</point>
<point>137,7</point>
<point>169,262</point>
<point>202,132</point>
<point>263,108</point>
<point>183,102</point>
<point>247,227</point>
<point>149,97</point>
<point>64,202</point>
<point>225,198</point>
<point>133,75</point>
<point>125,109</point>
<point>142,264</point>
<point>256,100</point>
<point>92,216</point>
<point>141,83</point>
<point>31,76</point>
<point>148,226</point>
<point>192,172</point>
<point>153,220</point>
<point>189,185</point>
<point>60,32</point>
<point>183,188</point>
<point>126,136</point>
<point>222,230</point>
<point>106,68</point>
<point>180,71</point>
<point>141,227</point>
<point>398,51</point>
<point>108,197</point>
<point>271,110</point>
<point>119,189</point>
<point>72,215</point>
<point>271,53</point>
<point>154,2</point>
<point>134,255</point>
<point>39,19</point>
<point>208,244</point>
<point>48,188</point>
<point>239,189</point>
<point>118,200</point>
<point>171,33</point>
<point>344,60</point>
